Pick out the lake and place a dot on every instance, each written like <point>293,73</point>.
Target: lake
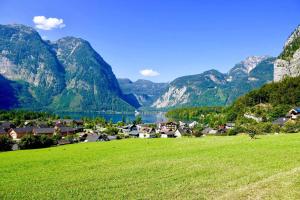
<point>153,117</point>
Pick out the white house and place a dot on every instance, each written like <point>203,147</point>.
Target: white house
<point>193,124</point>
<point>178,133</point>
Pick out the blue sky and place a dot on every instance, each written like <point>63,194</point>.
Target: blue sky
<point>171,37</point>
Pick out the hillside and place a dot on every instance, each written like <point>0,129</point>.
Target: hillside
<point>64,75</point>
<point>279,97</point>
<point>213,88</point>
<point>188,168</point>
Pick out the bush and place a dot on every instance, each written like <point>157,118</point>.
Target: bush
<point>56,138</point>
<point>6,143</point>
<point>276,128</point>
<point>197,131</point>
<point>120,136</point>
<point>35,141</point>
<point>111,131</point>
<point>252,131</point>
<point>71,138</point>
<point>157,135</point>
<point>233,131</point>
<point>291,127</point>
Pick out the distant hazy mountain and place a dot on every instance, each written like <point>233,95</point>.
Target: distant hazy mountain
<point>213,88</point>
<point>65,75</point>
<point>146,92</point>
<point>288,62</point>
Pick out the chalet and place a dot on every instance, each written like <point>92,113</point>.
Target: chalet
<point>170,126</point>
<point>44,131</point>
<point>7,126</point>
<point>294,113</point>
<point>146,132</point>
<point>280,121</point>
<point>129,128</point>
<point>18,133</point>
<point>64,131</point>
<point>78,122</point>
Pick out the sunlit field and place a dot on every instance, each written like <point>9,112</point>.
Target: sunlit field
<point>188,168</point>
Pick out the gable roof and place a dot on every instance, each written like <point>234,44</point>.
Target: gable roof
<point>7,125</point>
<point>43,130</point>
<point>67,129</point>
<point>23,130</point>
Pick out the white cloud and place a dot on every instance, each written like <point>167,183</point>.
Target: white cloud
<point>44,23</point>
<point>149,72</point>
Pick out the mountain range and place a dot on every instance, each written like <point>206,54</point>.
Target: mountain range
<point>69,75</point>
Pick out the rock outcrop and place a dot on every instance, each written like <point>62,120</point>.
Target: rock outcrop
<point>288,62</point>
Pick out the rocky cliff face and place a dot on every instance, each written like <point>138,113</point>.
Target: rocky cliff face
<point>288,62</point>
<point>213,88</point>
<point>24,56</point>
<point>65,75</point>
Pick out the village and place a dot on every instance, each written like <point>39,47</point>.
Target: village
<point>72,130</point>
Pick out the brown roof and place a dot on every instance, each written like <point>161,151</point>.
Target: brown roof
<point>66,129</point>
<point>23,130</point>
<point>7,125</point>
<point>43,130</point>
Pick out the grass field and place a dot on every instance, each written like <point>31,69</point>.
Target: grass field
<point>187,168</point>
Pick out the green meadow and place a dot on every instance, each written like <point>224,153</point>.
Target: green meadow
<point>188,168</point>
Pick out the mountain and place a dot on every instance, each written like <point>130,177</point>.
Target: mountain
<point>213,88</point>
<point>146,92</point>
<point>288,62</point>
<point>66,75</point>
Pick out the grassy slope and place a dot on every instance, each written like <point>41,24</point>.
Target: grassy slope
<point>210,168</point>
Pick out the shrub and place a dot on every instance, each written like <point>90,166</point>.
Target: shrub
<point>197,131</point>
<point>291,127</point>
<point>6,143</point>
<point>252,131</point>
<point>120,136</point>
<point>35,141</point>
<point>56,138</point>
<point>233,131</point>
<point>111,131</point>
<point>157,135</point>
<point>276,128</point>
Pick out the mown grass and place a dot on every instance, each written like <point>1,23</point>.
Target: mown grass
<point>187,168</point>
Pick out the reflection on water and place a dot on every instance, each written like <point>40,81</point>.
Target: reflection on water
<point>146,117</point>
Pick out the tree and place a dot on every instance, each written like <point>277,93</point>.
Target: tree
<point>197,131</point>
<point>6,143</point>
<point>138,120</point>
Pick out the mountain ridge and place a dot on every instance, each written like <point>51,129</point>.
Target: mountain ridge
<point>67,74</point>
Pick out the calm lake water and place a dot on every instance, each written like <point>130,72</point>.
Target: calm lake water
<point>146,117</point>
